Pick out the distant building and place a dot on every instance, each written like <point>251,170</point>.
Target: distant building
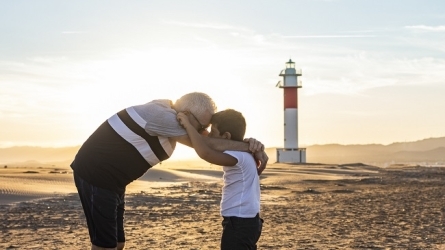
<point>291,153</point>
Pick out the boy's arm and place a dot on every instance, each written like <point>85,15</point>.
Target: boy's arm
<point>203,150</point>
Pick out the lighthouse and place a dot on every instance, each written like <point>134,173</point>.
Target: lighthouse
<point>290,84</point>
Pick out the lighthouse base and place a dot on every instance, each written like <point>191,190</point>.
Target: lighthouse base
<point>291,155</point>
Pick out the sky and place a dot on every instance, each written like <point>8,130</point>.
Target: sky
<point>373,70</point>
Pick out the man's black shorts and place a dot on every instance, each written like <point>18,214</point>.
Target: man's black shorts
<point>104,212</point>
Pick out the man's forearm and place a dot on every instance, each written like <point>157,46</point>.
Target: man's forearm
<point>222,144</point>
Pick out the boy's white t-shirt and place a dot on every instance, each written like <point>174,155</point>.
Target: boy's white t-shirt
<point>241,190</point>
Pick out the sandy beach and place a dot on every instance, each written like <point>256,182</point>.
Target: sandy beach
<point>176,206</point>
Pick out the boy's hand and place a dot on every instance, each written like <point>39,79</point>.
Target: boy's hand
<point>183,119</point>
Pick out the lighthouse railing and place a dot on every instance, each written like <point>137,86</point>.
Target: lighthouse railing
<point>298,72</point>
<point>281,85</point>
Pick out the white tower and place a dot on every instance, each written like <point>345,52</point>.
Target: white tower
<point>290,84</point>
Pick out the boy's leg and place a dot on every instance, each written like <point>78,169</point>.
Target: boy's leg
<point>240,233</point>
<point>101,211</point>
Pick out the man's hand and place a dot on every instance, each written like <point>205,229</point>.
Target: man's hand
<point>254,145</point>
<point>257,148</point>
<point>261,158</point>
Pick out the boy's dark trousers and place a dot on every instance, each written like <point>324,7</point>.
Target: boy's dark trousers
<point>241,233</point>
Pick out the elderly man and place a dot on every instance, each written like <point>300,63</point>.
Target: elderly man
<point>129,143</point>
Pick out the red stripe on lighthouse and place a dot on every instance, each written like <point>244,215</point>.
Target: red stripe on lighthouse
<point>290,98</point>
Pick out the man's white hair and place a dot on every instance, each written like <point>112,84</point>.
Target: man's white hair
<point>197,103</point>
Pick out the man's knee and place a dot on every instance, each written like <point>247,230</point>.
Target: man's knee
<point>120,245</point>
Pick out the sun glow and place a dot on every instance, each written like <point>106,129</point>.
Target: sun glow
<point>136,77</point>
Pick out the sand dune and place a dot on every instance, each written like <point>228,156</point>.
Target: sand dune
<point>26,183</point>
<point>171,175</point>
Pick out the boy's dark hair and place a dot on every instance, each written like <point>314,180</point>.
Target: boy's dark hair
<point>231,121</point>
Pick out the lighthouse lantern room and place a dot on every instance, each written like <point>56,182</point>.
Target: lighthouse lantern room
<point>291,153</point>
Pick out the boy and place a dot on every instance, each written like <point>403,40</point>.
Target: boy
<point>240,203</point>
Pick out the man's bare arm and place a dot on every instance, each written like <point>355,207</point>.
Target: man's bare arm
<point>262,158</point>
<point>222,145</point>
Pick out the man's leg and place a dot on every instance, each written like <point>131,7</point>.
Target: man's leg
<point>120,223</point>
<point>120,245</point>
<point>100,208</point>
<point>120,226</point>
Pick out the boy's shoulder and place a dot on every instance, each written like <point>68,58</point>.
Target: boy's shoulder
<point>237,152</point>
<point>241,155</point>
